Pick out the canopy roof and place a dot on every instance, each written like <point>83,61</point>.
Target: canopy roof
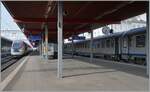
<point>79,16</point>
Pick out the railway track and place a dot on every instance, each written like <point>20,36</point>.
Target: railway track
<point>8,61</point>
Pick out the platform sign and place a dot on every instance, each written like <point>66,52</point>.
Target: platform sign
<point>34,37</point>
<point>77,38</point>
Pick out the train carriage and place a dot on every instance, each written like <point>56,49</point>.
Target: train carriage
<point>107,46</point>
<point>133,45</point>
<point>128,46</point>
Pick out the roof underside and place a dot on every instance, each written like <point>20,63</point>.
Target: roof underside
<point>79,16</point>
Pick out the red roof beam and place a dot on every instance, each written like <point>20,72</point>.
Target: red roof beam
<point>66,20</point>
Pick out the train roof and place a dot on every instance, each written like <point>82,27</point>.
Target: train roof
<point>110,35</point>
<point>101,37</point>
<point>134,31</point>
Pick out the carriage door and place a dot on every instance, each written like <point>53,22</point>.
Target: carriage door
<point>125,47</point>
<point>116,46</point>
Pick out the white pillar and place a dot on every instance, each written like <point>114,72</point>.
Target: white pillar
<point>72,47</point>
<point>91,47</point>
<point>0,58</point>
<point>46,42</point>
<point>147,42</point>
<point>60,31</point>
<point>42,45</point>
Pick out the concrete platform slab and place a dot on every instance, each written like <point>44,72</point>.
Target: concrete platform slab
<point>79,75</point>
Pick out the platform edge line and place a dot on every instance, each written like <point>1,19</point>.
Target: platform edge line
<point>9,78</point>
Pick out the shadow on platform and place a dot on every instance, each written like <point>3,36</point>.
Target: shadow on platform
<point>119,67</point>
<point>76,75</point>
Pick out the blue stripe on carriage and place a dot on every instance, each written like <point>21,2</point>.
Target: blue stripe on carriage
<point>132,54</point>
<point>135,54</point>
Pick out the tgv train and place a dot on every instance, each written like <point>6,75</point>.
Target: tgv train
<point>19,48</point>
<point>129,46</point>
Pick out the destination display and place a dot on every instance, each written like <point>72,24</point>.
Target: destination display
<point>34,37</point>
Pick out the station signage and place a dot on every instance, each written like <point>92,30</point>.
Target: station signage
<point>34,37</point>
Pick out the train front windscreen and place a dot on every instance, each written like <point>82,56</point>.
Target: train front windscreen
<point>17,45</point>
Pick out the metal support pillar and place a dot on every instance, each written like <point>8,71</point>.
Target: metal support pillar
<point>72,47</point>
<point>60,37</point>
<point>46,42</point>
<point>91,47</point>
<point>40,50</point>
<point>42,45</point>
<point>0,58</point>
<point>147,41</point>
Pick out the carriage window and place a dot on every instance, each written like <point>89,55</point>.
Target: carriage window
<point>98,45</point>
<point>140,41</point>
<point>94,44</point>
<point>88,45</point>
<point>103,43</point>
<point>85,46</point>
<point>124,42</point>
<point>108,43</point>
<point>82,45</point>
<point>112,43</point>
<point>130,44</point>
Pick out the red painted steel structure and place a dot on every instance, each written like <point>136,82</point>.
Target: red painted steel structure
<point>66,20</point>
<point>78,15</point>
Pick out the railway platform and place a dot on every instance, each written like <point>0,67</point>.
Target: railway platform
<point>59,22</point>
<point>80,74</point>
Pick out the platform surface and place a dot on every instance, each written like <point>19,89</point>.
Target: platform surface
<point>80,75</point>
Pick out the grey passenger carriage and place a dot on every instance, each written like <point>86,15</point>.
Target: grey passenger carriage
<point>128,46</point>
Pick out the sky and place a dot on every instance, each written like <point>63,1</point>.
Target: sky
<point>9,29</point>
<point>7,22</point>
